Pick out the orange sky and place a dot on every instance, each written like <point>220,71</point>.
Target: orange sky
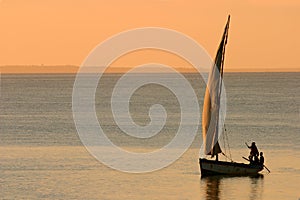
<point>263,36</point>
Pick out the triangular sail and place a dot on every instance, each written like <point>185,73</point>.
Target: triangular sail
<point>211,106</point>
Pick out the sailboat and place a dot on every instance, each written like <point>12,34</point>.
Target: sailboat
<point>211,129</point>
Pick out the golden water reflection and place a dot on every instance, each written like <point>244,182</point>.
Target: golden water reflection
<point>225,187</point>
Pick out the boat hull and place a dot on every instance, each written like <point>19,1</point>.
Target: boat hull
<point>212,167</point>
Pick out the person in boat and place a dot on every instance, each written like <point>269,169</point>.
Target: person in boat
<point>261,158</point>
<point>256,160</point>
<point>253,153</point>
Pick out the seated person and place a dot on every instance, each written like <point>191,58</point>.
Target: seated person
<point>261,159</point>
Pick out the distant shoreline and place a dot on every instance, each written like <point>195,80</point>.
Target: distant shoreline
<point>73,69</point>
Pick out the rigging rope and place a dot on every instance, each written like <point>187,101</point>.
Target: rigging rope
<point>227,141</point>
<point>227,157</point>
<point>224,144</point>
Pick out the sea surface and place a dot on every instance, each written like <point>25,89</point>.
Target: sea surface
<point>42,157</point>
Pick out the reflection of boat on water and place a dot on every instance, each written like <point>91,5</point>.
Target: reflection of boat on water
<point>217,186</point>
<point>212,187</point>
<point>211,122</point>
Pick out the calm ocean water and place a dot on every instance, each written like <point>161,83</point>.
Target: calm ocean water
<point>42,157</point>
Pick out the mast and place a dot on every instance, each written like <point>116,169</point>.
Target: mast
<point>211,106</point>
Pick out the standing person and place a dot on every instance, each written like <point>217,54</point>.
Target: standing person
<point>253,152</point>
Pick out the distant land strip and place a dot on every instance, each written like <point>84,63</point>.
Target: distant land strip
<point>71,69</point>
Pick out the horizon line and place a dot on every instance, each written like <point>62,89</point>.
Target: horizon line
<point>73,69</point>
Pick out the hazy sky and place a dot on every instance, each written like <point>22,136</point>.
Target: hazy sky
<point>54,32</point>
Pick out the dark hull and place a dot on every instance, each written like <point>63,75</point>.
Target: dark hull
<point>212,167</point>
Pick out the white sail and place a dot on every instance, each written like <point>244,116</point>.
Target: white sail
<point>211,106</point>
